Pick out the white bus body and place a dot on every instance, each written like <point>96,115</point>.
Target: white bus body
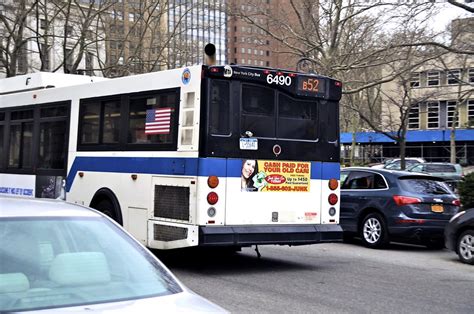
<point>161,197</point>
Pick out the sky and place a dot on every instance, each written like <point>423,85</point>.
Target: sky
<point>447,13</point>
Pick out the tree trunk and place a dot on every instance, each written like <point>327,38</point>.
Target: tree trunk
<point>452,144</point>
<point>353,148</point>
<point>402,142</point>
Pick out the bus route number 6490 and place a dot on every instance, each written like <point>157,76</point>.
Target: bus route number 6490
<point>278,79</point>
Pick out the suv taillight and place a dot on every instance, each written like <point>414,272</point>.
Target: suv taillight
<point>401,200</point>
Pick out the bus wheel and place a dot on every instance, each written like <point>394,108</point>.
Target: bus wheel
<point>373,231</point>
<point>107,208</point>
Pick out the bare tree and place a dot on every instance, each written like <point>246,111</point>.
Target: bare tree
<point>13,44</point>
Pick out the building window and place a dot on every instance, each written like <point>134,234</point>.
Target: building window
<point>454,77</point>
<point>242,50</point>
<point>22,59</point>
<point>89,63</point>
<point>42,24</point>
<point>415,80</point>
<point>68,30</point>
<point>414,117</point>
<point>433,78</point>
<point>433,115</point>
<point>68,59</point>
<point>470,112</point>
<point>450,112</point>
<point>45,57</point>
<point>471,75</point>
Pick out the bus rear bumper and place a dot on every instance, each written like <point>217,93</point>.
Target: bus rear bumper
<point>263,234</point>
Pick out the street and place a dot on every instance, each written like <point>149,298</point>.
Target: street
<point>328,278</point>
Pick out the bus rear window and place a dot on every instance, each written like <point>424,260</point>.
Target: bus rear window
<point>296,118</point>
<point>424,186</point>
<point>219,112</point>
<point>258,111</point>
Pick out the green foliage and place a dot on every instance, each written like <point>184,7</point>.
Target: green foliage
<point>466,191</point>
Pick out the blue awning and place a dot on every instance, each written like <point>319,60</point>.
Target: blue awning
<point>412,136</point>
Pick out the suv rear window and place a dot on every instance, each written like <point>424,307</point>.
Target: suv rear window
<point>440,168</point>
<point>424,186</point>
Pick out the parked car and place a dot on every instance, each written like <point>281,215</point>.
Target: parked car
<point>66,257</point>
<point>451,173</point>
<point>383,205</point>
<point>395,163</point>
<point>459,235</point>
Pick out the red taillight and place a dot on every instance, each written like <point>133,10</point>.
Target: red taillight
<point>332,199</point>
<point>212,198</point>
<point>405,200</point>
<point>338,83</point>
<point>456,203</point>
<point>333,184</point>
<point>214,70</point>
<point>266,72</point>
<point>292,74</point>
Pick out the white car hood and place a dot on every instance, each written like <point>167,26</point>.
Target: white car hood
<point>177,303</point>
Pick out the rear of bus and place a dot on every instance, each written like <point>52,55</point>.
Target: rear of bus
<point>268,168</point>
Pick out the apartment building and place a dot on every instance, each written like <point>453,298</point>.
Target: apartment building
<point>253,26</point>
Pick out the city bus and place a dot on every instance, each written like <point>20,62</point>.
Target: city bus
<point>206,155</point>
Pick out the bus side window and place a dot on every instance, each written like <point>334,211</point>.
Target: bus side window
<point>219,108</point>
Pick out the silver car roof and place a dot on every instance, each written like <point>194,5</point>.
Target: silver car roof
<point>30,207</point>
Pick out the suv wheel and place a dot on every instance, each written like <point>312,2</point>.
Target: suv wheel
<point>465,247</point>
<point>373,231</point>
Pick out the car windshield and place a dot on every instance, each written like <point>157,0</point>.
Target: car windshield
<point>424,186</point>
<point>61,262</point>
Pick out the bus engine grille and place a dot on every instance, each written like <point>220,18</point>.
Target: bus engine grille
<point>171,202</point>
<point>169,233</point>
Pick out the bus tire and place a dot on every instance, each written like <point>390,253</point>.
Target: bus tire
<point>108,205</point>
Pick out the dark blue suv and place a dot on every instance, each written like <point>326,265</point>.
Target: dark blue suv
<point>384,205</point>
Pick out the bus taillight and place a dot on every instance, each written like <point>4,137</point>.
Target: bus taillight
<point>212,181</point>
<point>332,199</point>
<point>333,184</point>
<point>212,198</point>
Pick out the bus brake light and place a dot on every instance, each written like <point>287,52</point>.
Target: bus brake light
<point>212,198</point>
<point>332,199</point>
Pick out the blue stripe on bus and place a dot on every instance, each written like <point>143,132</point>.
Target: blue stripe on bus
<point>220,167</point>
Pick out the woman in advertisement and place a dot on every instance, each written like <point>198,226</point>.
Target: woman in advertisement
<point>249,169</point>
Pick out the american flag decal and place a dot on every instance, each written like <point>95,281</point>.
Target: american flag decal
<point>158,121</point>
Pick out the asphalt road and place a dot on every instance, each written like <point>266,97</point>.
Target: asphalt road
<point>328,278</point>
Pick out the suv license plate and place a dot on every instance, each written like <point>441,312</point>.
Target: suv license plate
<point>437,208</point>
<point>248,144</point>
